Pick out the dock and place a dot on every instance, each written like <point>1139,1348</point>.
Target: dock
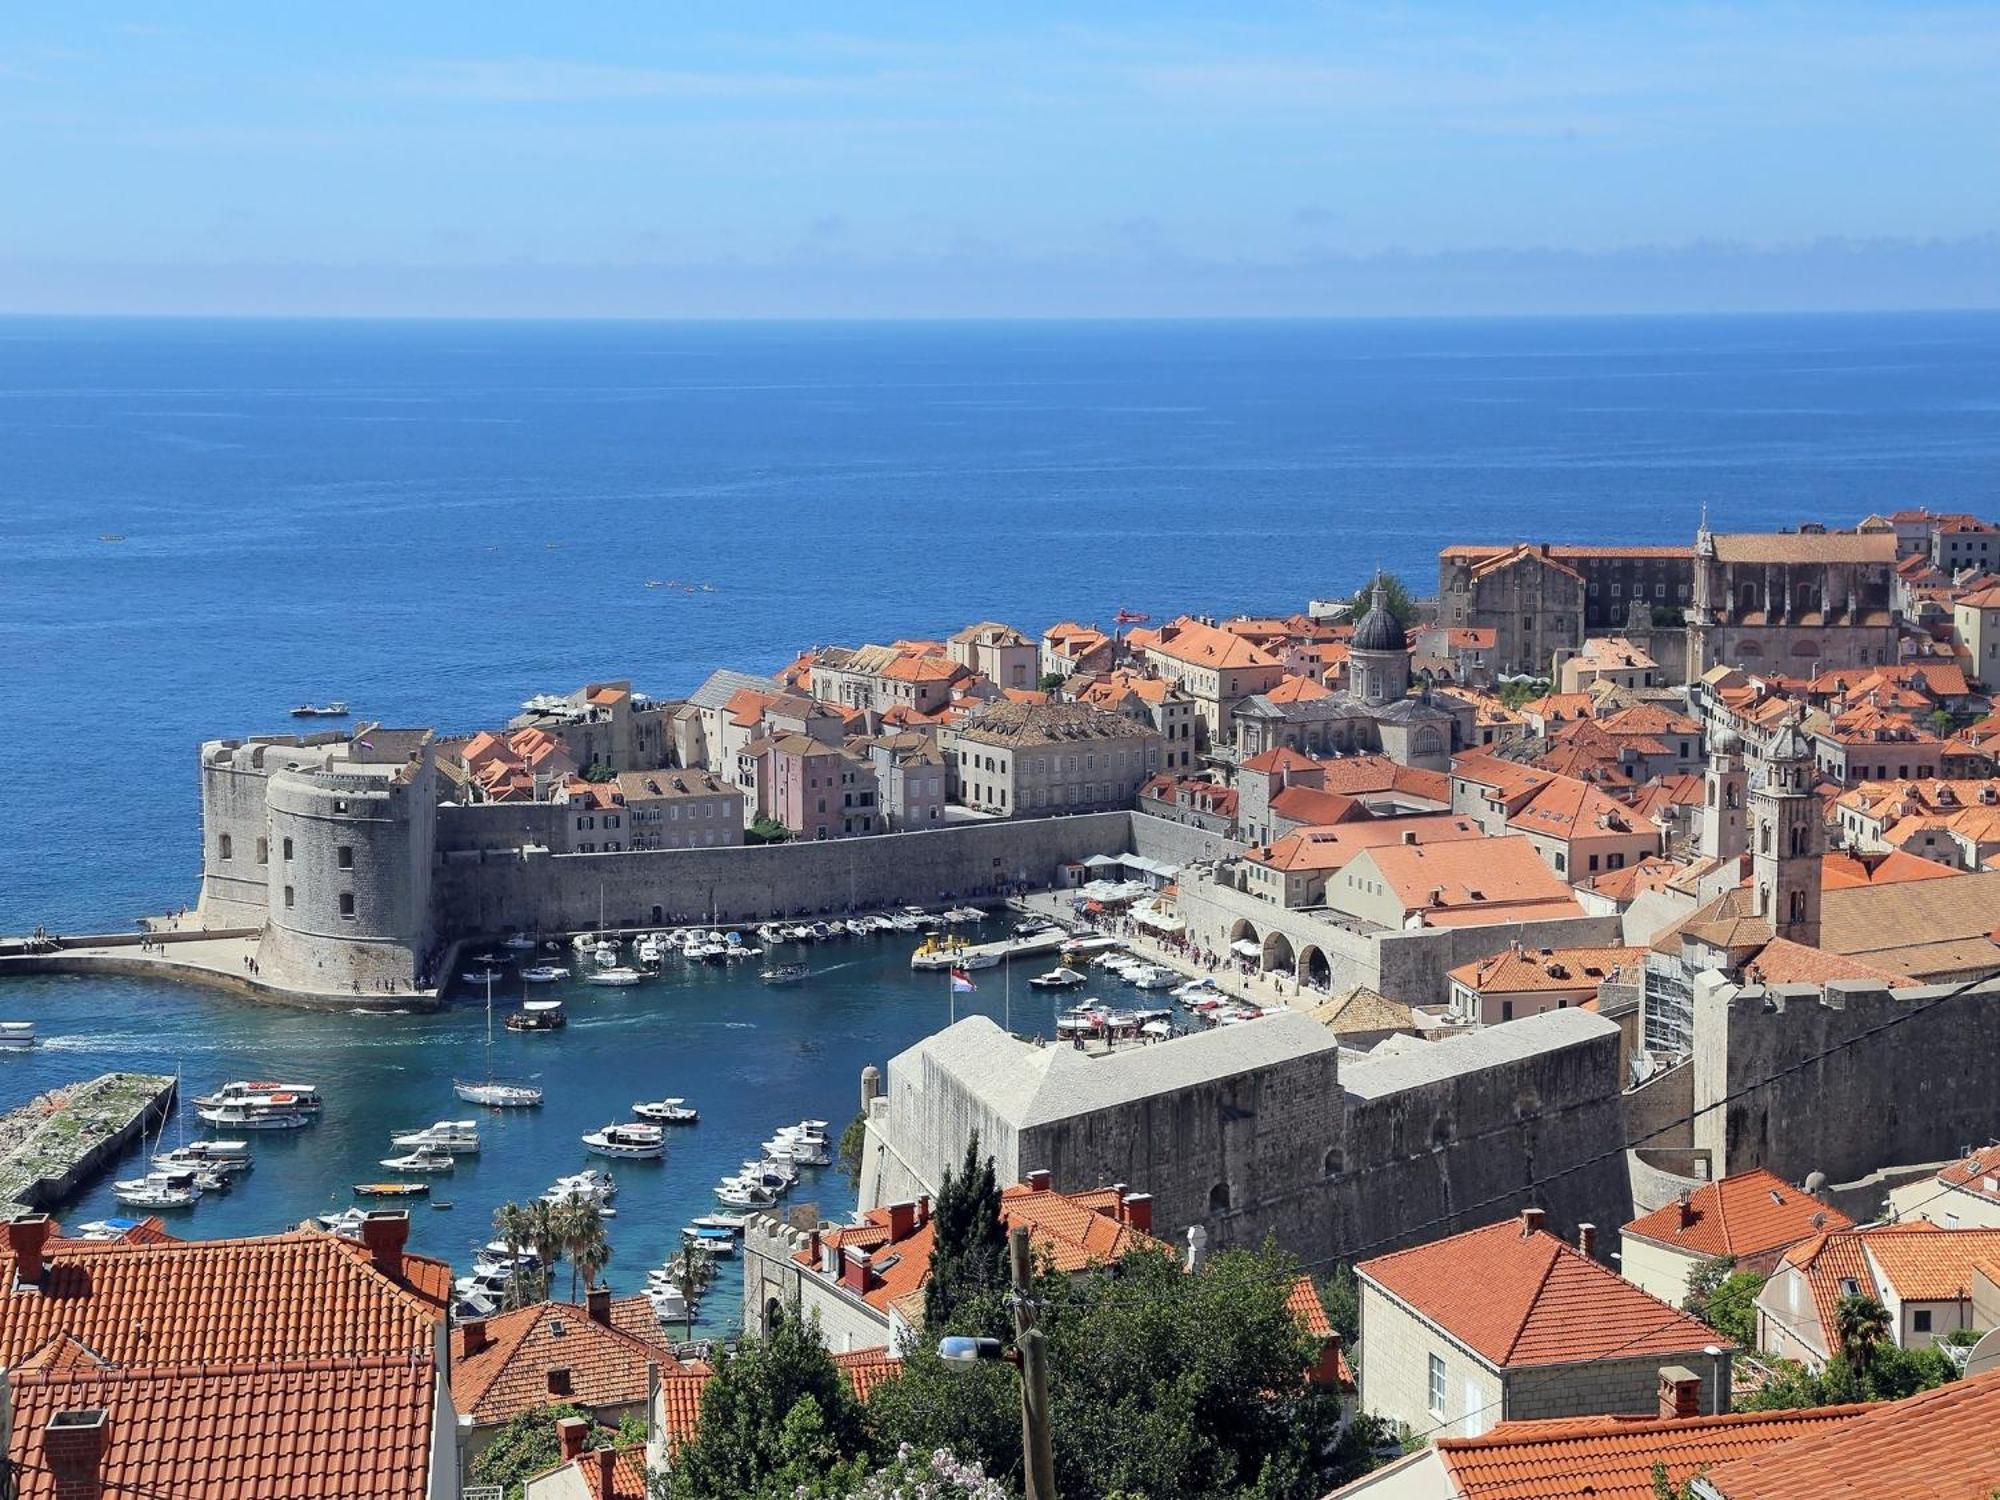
<point>948,955</point>
<point>58,1141</point>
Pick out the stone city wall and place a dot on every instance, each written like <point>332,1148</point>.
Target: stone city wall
<point>1920,1090</point>
<point>537,891</point>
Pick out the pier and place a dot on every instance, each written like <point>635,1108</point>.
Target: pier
<point>57,1141</point>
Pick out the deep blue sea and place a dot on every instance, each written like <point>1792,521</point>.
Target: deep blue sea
<point>434,521</point>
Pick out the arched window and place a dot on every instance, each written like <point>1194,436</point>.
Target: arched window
<point>1441,1132</point>
<point>1749,596</point>
<point>1798,906</point>
<point>1764,839</point>
<point>1332,1164</point>
<point>1711,794</point>
<point>1730,799</point>
<point>227,848</point>
<point>1799,839</point>
<point>774,1316</point>
<point>1218,1198</point>
<point>1426,742</point>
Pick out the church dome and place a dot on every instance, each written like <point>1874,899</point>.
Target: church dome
<point>1378,630</point>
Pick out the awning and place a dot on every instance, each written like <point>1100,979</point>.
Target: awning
<point>1246,948</point>
<point>1160,921</point>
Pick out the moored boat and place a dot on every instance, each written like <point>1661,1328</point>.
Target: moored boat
<point>252,1117</point>
<point>16,1036</point>
<point>497,1095</point>
<point>423,1159</point>
<point>1059,979</point>
<point>460,1137</point>
<point>667,1112</point>
<point>710,1241</point>
<point>159,1190</point>
<point>337,709</point>
<point>615,976</point>
<point>392,1189</point>
<point>638,1142</point>
<point>544,973</point>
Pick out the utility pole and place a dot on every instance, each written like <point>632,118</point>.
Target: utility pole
<point>1036,1451</point>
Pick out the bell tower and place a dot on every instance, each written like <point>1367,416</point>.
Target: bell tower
<point>1724,831</point>
<point>1789,839</point>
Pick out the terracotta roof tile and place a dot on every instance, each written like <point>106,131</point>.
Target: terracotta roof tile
<point>510,1375</point>
<point>1749,1214</point>
<point>1612,1458</point>
<point>1931,1267</point>
<point>1936,1444</point>
<point>263,1430</point>
<point>1519,1298</point>
<point>1828,1260</point>
<point>1188,640</point>
<point>1517,970</point>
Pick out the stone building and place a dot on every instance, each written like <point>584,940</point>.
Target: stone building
<point>323,845</point>
<point>680,810</point>
<point>1614,577</point>
<point>1508,1323</point>
<point>1266,1129</point>
<point>1217,668</point>
<point>1532,601</point>
<point>1037,759</point>
<point>1792,603</point>
<point>604,724</point>
<point>1000,653</point>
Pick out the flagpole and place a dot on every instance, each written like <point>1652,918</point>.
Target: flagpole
<point>951,992</point>
<point>1007,998</point>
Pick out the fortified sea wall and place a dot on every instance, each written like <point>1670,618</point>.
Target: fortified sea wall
<point>1915,1071</point>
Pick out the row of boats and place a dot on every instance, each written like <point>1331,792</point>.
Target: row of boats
<point>1205,1001</point>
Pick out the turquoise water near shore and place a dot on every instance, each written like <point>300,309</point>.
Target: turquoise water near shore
<point>434,521</point>
<point>751,1057</point>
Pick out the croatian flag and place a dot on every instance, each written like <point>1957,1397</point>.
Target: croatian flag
<point>961,982</point>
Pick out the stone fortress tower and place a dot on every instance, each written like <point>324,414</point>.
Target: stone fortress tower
<point>324,844</point>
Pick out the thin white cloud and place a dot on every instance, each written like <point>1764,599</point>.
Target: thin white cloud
<point>531,80</point>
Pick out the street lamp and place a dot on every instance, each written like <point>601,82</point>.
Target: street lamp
<point>959,1350</point>
<point>1029,1354</point>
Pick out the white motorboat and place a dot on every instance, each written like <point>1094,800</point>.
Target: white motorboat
<point>249,1117</point>
<point>16,1036</point>
<point>225,1156</point>
<point>190,1158</point>
<point>744,1195</point>
<point>802,1150</point>
<point>799,934</point>
<point>1152,977</point>
<point>1111,958</point>
<point>459,1137</point>
<point>1086,1019</point>
<point>1157,1028</point>
<point>589,1185</point>
<point>583,942</point>
<point>347,1222</point>
<point>640,1142</point>
<point>1091,943</point>
<point>618,978</point>
<point>605,956</point>
<point>778,1176</point>
<point>732,1222</point>
<point>769,933</point>
<point>544,973</point>
<point>423,1159</point>
<point>1197,989</point>
<point>537,1015</point>
<point>667,1112</point>
<point>710,1241</point>
<point>901,921</point>
<point>481,976</point>
<point>1059,979</point>
<point>159,1190</point>
<point>495,1256</point>
<point>668,1302</point>
<point>496,1095</point>
<point>520,942</point>
<point>302,1097</point>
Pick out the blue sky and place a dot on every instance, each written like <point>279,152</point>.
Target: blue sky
<point>880,158</point>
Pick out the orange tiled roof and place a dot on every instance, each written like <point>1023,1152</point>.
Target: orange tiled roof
<point>1314,806</point>
<point>1570,809</point>
<point>1973,1173</point>
<point>1282,758</point>
<point>1355,775</point>
<point>1525,1298</point>
<point>606,1363</point>
<point>1927,1446</point>
<point>1333,846</point>
<point>1517,970</point>
<point>1651,873</point>
<point>1932,1267</point>
<point>288,1429</point>
<point>1190,641</point>
<point>302,1295</point>
<point>1782,961</point>
<point>1749,1214</point>
<point>1295,689</point>
<point>1479,875</point>
<point>1827,1260</point>
<point>1612,1457</point>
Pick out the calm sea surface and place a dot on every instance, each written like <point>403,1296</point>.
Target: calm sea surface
<point>435,521</point>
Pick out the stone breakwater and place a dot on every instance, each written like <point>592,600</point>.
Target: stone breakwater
<point>52,1144</point>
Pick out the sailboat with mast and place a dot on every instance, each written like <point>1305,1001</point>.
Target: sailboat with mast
<point>494,1093</point>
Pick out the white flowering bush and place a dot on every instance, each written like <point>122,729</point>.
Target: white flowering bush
<point>938,1475</point>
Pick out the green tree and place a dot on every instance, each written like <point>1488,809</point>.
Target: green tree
<point>1394,595</point>
<point>1732,1308</point>
<point>848,1157</point>
<point>1341,1295</point>
<point>1514,694</point>
<point>968,1239</point>
<point>580,1223</point>
<point>1860,1323</point>
<point>778,1417</point>
<point>767,830</point>
<point>527,1445</point>
<point>514,1224</point>
<point>1161,1383</point>
<point>599,771</point>
<point>1942,723</point>
<point>1049,682</point>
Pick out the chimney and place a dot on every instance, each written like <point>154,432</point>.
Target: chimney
<point>607,1461</point>
<point>73,1447</point>
<point>829,1258</point>
<point>1038,1180</point>
<point>1586,1239</point>
<point>1680,1392</point>
<point>559,1380</point>
<point>1197,1250</point>
<point>902,1222</point>
<point>1687,1209</point>
<point>854,1271</point>
<point>384,1233</point>
<point>571,1432</point>
<point>923,1209</point>
<point>26,1236</point>
<point>1531,1221</point>
<point>812,1247</point>
<point>597,1302</point>
<point>476,1340</point>
<point>1139,1211</point>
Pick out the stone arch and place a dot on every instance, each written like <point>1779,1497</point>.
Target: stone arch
<point>774,1315</point>
<point>1806,650</point>
<point>1440,1132</point>
<point>1333,1163</point>
<point>1278,952</point>
<point>1218,1198</point>
<point>1749,648</point>
<point>1241,929</point>
<point>1314,969</point>
<point>1426,741</point>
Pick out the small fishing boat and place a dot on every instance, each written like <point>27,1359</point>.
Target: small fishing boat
<point>739,1194</point>
<point>480,976</point>
<point>544,973</point>
<point>785,974</point>
<point>538,1015</point>
<point>616,977</point>
<point>669,1303</point>
<point>710,1241</point>
<point>159,1190</point>
<point>520,942</point>
<point>392,1189</point>
<point>423,1159</point>
<point>347,1222</point>
<point>1152,977</point>
<point>668,1112</point>
<point>731,1222</point>
<point>638,1142</point>
<point>191,1158</point>
<point>302,1097</point>
<point>1059,979</point>
<point>459,1137</point>
<point>337,709</point>
<point>16,1036</point>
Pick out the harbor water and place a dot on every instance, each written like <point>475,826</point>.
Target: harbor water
<point>750,1056</point>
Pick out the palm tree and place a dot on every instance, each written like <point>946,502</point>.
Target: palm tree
<point>545,1234</point>
<point>515,1227</point>
<point>693,1270</point>
<point>1860,1322</point>
<point>592,1255</point>
<point>580,1224</point>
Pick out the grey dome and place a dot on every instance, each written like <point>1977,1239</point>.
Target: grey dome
<point>1378,630</point>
